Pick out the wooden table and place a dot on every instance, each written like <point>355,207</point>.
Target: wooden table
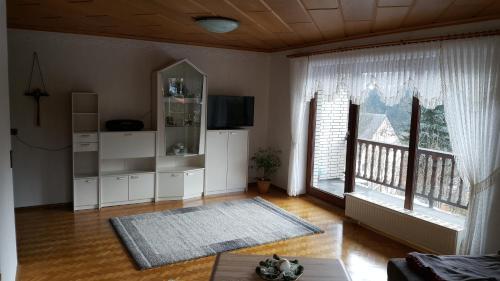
<point>231,267</point>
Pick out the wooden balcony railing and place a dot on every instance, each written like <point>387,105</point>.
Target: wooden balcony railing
<point>437,179</point>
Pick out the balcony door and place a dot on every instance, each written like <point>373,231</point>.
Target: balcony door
<point>398,154</point>
<point>331,147</point>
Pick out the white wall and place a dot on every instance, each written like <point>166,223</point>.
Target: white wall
<point>8,255</point>
<point>279,97</point>
<point>120,71</point>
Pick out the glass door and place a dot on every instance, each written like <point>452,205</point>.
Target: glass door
<point>182,106</point>
<point>329,147</point>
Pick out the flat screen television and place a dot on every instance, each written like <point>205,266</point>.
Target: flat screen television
<point>228,112</point>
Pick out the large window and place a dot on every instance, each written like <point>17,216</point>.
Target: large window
<point>437,185</point>
<point>394,163</point>
<point>382,153</point>
<point>430,184</point>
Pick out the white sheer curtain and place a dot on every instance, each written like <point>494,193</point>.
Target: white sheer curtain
<point>471,83</point>
<point>392,71</point>
<point>298,121</point>
<point>464,75</point>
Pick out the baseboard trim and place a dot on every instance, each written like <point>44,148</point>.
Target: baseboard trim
<point>68,205</point>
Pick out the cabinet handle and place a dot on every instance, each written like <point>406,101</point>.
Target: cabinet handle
<point>233,133</point>
<point>84,136</point>
<point>120,178</point>
<point>88,181</point>
<point>127,134</point>
<point>134,177</point>
<point>220,133</point>
<point>174,175</point>
<point>84,144</point>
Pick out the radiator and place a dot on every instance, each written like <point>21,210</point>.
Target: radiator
<point>404,226</point>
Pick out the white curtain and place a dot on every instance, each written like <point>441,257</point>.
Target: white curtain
<point>471,83</point>
<point>393,72</point>
<point>464,75</point>
<point>299,121</point>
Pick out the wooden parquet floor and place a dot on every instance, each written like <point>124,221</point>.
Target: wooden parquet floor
<point>56,244</point>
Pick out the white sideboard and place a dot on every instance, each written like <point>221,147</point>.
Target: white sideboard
<point>180,183</point>
<point>226,161</point>
<point>127,189</point>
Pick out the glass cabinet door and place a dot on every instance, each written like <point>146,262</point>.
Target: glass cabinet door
<point>183,106</point>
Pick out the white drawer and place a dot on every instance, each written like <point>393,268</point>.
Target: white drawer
<point>116,145</point>
<point>171,184</point>
<point>85,146</point>
<point>86,192</point>
<point>141,186</point>
<point>193,182</point>
<point>114,189</point>
<point>85,137</point>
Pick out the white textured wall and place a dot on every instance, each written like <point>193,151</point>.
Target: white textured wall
<point>8,255</point>
<point>120,71</point>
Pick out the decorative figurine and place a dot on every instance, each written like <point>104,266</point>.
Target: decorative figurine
<point>279,269</point>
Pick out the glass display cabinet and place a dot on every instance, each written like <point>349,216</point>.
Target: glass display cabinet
<point>181,108</point>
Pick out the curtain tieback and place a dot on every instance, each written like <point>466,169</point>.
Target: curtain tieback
<point>486,183</point>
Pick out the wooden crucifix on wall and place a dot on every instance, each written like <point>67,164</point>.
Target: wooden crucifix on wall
<point>36,93</point>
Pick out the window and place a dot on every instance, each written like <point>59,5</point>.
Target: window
<point>437,184</point>
<point>382,152</point>
<point>386,156</point>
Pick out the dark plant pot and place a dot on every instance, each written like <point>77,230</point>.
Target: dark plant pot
<point>263,186</point>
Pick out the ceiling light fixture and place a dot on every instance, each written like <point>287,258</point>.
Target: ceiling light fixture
<point>217,24</point>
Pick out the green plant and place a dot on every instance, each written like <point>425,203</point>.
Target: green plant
<point>268,161</point>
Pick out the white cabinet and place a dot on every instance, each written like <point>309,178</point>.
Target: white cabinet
<point>215,161</point>
<point>114,189</point>
<point>193,183</point>
<point>237,160</point>
<point>226,161</point>
<point>85,193</point>
<point>119,145</point>
<point>181,184</point>
<point>141,186</point>
<point>127,188</point>
<point>170,185</point>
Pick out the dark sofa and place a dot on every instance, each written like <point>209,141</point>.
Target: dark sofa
<point>419,267</point>
<point>398,270</point>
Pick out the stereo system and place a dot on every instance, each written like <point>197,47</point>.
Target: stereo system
<point>124,125</point>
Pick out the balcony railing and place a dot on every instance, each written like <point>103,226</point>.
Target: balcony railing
<point>437,179</point>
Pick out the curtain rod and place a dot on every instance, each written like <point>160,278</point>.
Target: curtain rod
<point>399,42</point>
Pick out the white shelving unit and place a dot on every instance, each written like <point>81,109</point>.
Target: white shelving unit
<point>167,161</point>
<point>85,136</point>
<point>179,115</point>
<point>109,168</point>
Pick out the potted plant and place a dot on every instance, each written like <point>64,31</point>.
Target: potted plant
<point>268,161</point>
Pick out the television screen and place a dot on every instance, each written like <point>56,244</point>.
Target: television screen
<point>226,112</point>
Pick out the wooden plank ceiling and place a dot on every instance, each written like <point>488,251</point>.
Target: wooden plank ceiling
<point>266,25</point>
